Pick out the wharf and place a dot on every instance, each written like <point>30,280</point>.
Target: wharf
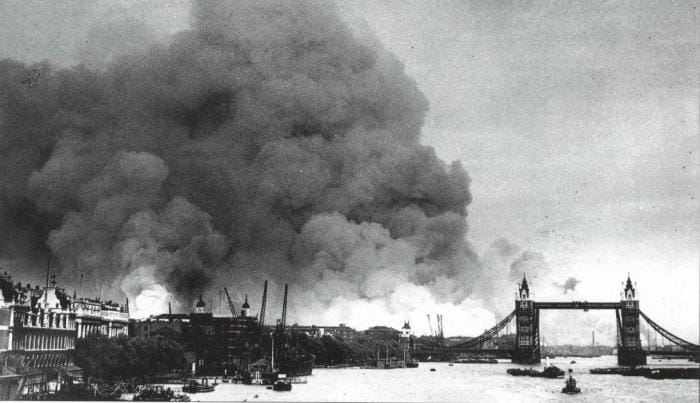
<point>651,373</point>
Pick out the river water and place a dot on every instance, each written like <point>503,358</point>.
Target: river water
<point>469,382</point>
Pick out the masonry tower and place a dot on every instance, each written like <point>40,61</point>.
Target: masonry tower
<point>527,348</point>
<point>629,346</point>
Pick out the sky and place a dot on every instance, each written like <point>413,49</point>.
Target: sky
<point>577,123</point>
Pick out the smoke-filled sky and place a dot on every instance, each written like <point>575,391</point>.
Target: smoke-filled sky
<point>387,159</point>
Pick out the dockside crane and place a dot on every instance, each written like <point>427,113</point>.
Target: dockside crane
<point>263,305</point>
<point>280,333</point>
<point>430,326</point>
<point>230,303</point>
<point>284,309</point>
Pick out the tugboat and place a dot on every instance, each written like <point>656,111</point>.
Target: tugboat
<point>193,386</point>
<point>571,388</point>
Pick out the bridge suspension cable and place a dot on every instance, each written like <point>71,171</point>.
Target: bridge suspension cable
<point>487,335</point>
<point>670,336</point>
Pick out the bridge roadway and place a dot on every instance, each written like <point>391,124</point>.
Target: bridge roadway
<point>585,305</point>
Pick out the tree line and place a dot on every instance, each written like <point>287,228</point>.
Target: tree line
<point>330,350</point>
<point>142,359</point>
<point>122,358</point>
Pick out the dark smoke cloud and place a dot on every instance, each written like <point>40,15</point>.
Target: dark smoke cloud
<point>265,142</point>
<point>569,284</point>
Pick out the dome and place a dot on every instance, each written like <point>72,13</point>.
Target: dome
<point>200,303</point>
<point>245,304</point>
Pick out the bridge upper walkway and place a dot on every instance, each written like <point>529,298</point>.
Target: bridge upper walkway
<point>585,305</point>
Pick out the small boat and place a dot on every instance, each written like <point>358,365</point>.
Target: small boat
<point>193,386</point>
<point>432,369</point>
<point>282,385</point>
<point>570,387</point>
<point>573,362</point>
<point>156,393</point>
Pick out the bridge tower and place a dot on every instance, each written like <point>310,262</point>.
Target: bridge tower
<point>527,347</point>
<point>629,346</point>
<point>406,342</point>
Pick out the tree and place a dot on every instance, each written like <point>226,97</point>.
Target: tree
<point>120,358</point>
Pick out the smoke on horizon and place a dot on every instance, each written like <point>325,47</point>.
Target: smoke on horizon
<point>268,141</point>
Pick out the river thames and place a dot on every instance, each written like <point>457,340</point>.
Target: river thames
<point>468,382</point>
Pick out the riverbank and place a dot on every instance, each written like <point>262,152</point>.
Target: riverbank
<point>651,372</point>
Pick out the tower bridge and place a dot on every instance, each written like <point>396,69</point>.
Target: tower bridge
<point>524,347</point>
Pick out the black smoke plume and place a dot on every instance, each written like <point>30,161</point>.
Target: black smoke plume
<point>265,142</point>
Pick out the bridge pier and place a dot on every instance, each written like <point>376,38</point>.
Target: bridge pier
<point>628,357</point>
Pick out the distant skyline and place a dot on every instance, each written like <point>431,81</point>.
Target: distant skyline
<point>577,123</point>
